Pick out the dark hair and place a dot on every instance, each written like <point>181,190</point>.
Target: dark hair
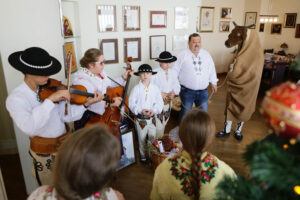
<point>196,132</point>
<point>193,35</point>
<point>86,161</point>
<point>90,56</point>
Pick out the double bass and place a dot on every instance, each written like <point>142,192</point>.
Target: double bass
<point>113,115</point>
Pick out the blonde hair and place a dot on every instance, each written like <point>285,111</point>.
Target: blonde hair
<point>90,56</point>
<point>196,132</point>
<point>86,161</point>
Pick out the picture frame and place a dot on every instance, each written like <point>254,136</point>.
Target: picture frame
<point>206,19</point>
<point>131,18</point>
<point>128,156</point>
<point>261,27</point>
<point>106,18</point>
<point>181,18</point>
<point>290,20</point>
<point>276,28</point>
<point>180,42</point>
<point>224,26</point>
<point>67,26</point>
<point>157,45</point>
<point>250,18</point>
<point>132,48</point>
<point>69,56</point>
<point>297,32</point>
<point>226,13</point>
<point>109,47</point>
<point>158,19</point>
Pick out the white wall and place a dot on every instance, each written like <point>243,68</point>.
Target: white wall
<point>25,24</point>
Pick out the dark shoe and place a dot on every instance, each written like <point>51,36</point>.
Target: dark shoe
<point>238,135</point>
<point>222,134</point>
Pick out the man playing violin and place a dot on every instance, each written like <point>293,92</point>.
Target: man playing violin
<point>43,122</point>
<point>93,77</point>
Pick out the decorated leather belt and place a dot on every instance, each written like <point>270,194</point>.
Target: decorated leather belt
<point>47,145</point>
<point>140,116</point>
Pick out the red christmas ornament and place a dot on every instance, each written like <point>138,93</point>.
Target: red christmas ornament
<point>281,108</point>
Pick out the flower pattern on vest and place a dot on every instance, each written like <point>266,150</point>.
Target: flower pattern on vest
<point>183,174</point>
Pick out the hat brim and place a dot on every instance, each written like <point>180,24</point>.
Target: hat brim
<point>173,59</point>
<point>137,73</point>
<point>14,60</point>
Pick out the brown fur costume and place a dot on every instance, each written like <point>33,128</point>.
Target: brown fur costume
<point>243,82</point>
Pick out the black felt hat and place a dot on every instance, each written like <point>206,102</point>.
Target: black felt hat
<point>166,57</point>
<point>144,68</point>
<point>35,61</point>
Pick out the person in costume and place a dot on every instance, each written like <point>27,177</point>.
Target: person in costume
<point>43,122</point>
<point>196,70</point>
<point>83,167</point>
<point>192,173</point>
<point>243,82</point>
<point>93,77</point>
<point>167,81</point>
<point>145,101</point>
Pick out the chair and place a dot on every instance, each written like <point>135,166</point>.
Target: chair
<point>273,74</point>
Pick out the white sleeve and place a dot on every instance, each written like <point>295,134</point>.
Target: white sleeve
<point>26,119</point>
<point>175,83</point>
<point>159,103</point>
<point>133,101</point>
<point>155,81</point>
<point>178,63</point>
<point>212,71</point>
<point>75,112</point>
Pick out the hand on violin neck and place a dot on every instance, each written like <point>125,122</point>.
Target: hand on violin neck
<point>116,102</point>
<point>98,96</point>
<point>125,75</point>
<point>60,95</point>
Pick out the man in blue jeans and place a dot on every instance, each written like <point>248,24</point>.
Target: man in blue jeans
<point>196,70</point>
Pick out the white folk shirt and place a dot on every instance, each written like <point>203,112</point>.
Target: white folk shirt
<point>94,83</point>
<point>166,81</point>
<point>195,72</point>
<point>34,118</point>
<point>145,98</point>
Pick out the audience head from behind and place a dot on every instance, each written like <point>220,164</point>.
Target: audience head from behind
<point>85,163</point>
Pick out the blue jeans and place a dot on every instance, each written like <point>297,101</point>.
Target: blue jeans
<point>188,97</point>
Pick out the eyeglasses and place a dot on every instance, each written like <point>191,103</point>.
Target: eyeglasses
<point>101,63</point>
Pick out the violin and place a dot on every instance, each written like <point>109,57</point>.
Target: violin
<point>78,93</point>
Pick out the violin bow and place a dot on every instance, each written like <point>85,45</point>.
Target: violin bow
<point>69,65</point>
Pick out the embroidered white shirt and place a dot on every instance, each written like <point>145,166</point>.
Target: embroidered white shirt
<point>94,83</point>
<point>34,118</point>
<point>166,81</point>
<point>145,98</point>
<point>195,72</point>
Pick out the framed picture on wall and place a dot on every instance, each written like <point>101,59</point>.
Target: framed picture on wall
<point>157,45</point>
<point>297,33</point>
<point>131,18</point>
<point>290,20</point>
<point>158,19</point>
<point>107,18</point>
<point>132,48</point>
<point>226,13</point>
<point>224,26</point>
<point>128,154</point>
<point>180,42</point>
<point>276,28</point>
<point>109,47</point>
<point>70,57</point>
<point>261,27</point>
<point>68,30</point>
<point>181,18</point>
<point>250,18</point>
<point>206,19</point>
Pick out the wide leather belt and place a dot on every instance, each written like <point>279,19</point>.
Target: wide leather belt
<point>47,145</point>
<point>140,116</point>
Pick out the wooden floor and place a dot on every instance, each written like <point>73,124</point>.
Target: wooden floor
<point>135,181</point>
